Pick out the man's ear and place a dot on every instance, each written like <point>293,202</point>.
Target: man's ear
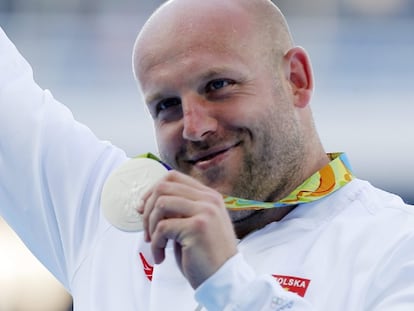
<point>298,72</point>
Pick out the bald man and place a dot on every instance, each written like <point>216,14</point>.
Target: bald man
<point>254,214</point>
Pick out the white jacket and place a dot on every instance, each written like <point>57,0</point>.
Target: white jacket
<point>353,250</point>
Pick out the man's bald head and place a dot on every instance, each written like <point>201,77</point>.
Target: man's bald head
<point>192,55</point>
<point>260,22</point>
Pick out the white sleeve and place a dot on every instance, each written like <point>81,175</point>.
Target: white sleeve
<point>51,169</point>
<point>236,287</point>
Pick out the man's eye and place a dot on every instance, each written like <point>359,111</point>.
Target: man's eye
<point>166,104</point>
<point>218,84</point>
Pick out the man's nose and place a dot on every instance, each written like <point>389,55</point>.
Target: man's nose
<point>198,118</point>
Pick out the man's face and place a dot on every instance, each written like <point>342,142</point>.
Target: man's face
<point>222,112</point>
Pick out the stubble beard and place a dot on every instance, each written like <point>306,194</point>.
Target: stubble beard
<point>264,174</point>
<point>268,174</point>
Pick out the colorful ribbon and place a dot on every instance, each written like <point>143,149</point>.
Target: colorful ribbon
<point>330,178</point>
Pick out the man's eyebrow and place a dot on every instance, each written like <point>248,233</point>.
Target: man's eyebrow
<point>214,72</point>
<point>211,73</point>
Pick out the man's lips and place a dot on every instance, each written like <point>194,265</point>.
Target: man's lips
<point>209,154</point>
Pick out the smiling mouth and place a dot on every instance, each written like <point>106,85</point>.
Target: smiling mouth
<point>208,157</point>
<point>212,155</point>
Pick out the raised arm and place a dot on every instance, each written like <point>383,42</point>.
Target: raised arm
<point>51,169</point>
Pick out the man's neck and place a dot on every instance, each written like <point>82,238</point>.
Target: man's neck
<point>260,219</point>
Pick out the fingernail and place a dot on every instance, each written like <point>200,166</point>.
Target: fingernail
<point>146,236</point>
<point>140,206</point>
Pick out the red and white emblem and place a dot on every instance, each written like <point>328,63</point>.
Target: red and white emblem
<point>293,284</point>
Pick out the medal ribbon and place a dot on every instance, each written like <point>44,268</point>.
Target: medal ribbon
<point>327,180</point>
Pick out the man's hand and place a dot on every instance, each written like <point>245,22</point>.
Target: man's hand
<point>181,209</point>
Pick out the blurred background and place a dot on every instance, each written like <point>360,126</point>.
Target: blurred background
<point>363,59</point>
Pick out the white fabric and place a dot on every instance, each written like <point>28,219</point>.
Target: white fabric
<point>356,247</point>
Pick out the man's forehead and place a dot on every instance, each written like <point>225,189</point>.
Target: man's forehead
<point>184,36</point>
<point>192,70</point>
<point>180,18</point>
